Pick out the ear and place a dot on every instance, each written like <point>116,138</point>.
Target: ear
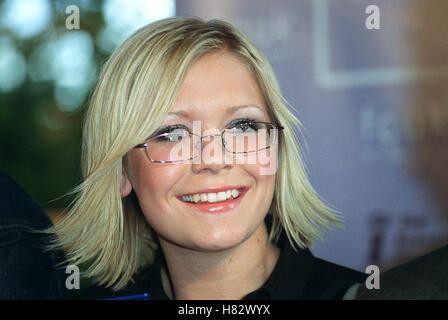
<point>126,186</point>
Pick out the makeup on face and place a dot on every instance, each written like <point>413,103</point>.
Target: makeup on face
<point>216,199</point>
<point>184,118</point>
<point>206,205</point>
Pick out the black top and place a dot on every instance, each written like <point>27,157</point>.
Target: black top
<point>26,269</point>
<point>297,275</point>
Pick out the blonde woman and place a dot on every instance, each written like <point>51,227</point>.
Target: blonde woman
<point>194,186</point>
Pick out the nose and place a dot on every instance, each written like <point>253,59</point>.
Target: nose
<point>213,155</point>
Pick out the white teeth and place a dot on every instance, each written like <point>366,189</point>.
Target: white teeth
<point>212,197</point>
<point>196,198</point>
<point>222,196</point>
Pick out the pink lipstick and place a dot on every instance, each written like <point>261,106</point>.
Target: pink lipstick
<point>199,200</point>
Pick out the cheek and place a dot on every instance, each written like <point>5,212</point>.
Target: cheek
<point>262,163</point>
<point>265,184</point>
<point>153,188</point>
<point>153,184</point>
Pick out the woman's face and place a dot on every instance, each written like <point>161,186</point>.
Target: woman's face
<point>217,90</point>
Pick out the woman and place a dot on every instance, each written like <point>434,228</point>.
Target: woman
<point>194,187</point>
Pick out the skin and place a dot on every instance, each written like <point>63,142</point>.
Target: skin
<point>209,256</point>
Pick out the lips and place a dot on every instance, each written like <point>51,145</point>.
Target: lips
<point>214,205</point>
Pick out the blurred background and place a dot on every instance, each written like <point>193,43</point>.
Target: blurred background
<point>368,85</point>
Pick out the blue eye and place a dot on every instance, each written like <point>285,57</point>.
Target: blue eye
<point>243,126</point>
<point>173,133</point>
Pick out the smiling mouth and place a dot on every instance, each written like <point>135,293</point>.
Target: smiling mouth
<point>213,197</point>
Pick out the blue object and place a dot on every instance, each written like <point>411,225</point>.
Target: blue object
<point>144,296</point>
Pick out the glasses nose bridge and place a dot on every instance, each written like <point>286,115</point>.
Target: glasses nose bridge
<point>200,146</point>
<point>211,135</point>
<point>201,138</point>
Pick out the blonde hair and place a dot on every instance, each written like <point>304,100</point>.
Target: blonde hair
<point>137,87</point>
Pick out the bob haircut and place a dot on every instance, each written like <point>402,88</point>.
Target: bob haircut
<point>136,89</point>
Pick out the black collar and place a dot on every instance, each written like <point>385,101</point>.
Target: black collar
<point>297,275</point>
<point>287,281</point>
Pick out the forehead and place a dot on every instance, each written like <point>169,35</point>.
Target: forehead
<point>218,83</point>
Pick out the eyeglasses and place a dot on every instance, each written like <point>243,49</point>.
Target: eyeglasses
<point>180,145</point>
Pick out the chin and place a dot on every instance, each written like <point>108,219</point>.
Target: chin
<point>218,240</point>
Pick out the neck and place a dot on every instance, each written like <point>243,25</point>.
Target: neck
<point>228,274</point>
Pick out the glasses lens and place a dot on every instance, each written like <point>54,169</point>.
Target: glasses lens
<point>179,145</point>
<point>248,137</point>
<point>174,146</point>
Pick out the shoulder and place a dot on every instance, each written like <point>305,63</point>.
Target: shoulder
<point>326,268</point>
<point>330,280</point>
<point>303,276</point>
<point>422,278</point>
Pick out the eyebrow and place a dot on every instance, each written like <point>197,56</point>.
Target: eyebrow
<point>230,110</point>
